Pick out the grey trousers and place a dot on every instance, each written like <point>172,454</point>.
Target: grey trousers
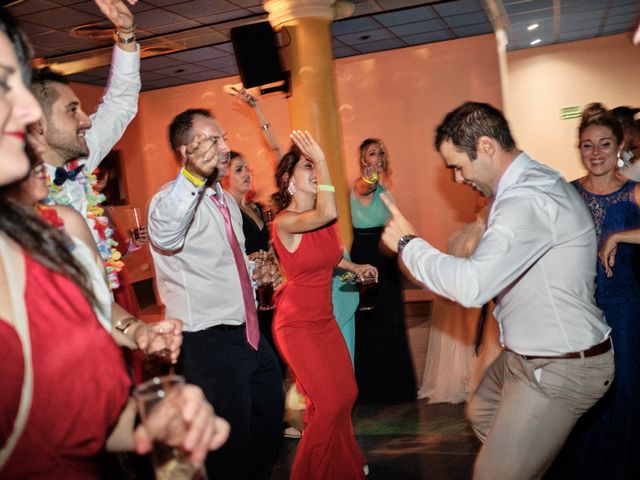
<point>523,411</point>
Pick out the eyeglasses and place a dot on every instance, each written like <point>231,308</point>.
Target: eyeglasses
<point>39,171</point>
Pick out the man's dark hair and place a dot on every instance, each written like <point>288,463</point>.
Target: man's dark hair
<point>42,87</point>
<point>180,128</point>
<point>470,121</point>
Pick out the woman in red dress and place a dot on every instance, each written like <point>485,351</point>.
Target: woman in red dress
<point>64,387</point>
<point>305,330</point>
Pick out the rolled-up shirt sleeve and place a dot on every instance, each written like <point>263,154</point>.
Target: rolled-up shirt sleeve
<point>520,231</point>
<point>171,213</point>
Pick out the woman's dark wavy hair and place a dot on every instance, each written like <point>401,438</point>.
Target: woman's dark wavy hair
<point>22,224</point>
<point>21,46</point>
<point>283,174</point>
<point>597,114</point>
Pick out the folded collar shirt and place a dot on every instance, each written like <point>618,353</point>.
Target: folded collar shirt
<point>537,256</point>
<point>196,274</point>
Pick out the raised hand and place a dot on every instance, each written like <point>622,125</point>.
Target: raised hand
<point>307,145</point>
<point>118,13</point>
<point>202,156</point>
<point>397,227</point>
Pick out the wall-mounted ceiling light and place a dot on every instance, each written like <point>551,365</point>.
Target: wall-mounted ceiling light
<point>533,26</point>
<point>535,42</point>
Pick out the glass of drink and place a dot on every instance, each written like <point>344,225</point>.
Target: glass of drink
<point>263,275</point>
<point>157,398</point>
<point>137,230</point>
<point>368,287</point>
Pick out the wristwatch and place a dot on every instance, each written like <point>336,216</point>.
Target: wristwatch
<point>125,38</point>
<point>404,240</point>
<point>123,324</point>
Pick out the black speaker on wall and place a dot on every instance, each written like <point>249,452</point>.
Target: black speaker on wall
<point>256,54</point>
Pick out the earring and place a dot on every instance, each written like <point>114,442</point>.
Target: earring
<point>620,160</point>
<point>291,188</point>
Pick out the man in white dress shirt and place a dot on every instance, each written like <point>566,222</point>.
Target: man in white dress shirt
<point>538,258</point>
<point>74,143</point>
<point>198,282</point>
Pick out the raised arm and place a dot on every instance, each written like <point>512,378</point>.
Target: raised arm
<point>172,210</point>
<point>120,102</point>
<point>325,209</point>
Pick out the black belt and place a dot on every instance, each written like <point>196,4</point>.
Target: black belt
<point>225,327</point>
<point>598,349</point>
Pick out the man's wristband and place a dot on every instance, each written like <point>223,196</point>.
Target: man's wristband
<point>191,177</point>
<point>326,188</point>
<point>404,241</point>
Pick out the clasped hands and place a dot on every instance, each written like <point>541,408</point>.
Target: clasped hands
<point>163,335</point>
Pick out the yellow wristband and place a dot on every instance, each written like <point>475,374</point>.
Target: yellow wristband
<point>326,188</point>
<point>374,178</point>
<point>191,177</point>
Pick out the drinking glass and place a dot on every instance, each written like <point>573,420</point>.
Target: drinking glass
<point>368,287</point>
<point>264,292</point>
<point>157,398</point>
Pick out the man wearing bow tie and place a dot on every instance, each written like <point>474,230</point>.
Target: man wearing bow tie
<point>75,143</point>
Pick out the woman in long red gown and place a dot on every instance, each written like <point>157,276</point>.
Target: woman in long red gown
<point>305,330</point>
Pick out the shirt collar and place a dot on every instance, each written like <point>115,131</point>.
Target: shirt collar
<point>512,173</point>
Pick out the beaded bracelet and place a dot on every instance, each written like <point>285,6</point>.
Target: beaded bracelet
<point>326,188</point>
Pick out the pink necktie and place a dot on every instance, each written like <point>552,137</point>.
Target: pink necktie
<point>252,329</point>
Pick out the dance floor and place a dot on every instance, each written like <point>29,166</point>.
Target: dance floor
<point>411,441</point>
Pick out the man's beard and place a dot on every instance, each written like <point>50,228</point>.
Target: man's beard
<point>68,149</point>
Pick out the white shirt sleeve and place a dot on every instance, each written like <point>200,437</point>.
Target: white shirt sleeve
<point>171,213</point>
<point>519,232</point>
<point>117,108</point>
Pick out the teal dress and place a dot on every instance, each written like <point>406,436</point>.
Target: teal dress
<point>383,363</point>
<point>345,300</point>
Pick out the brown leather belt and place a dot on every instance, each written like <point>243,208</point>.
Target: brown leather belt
<point>598,349</point>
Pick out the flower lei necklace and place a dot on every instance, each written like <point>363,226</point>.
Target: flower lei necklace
<point>98,222</point>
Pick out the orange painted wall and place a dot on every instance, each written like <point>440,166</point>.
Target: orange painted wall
<point>543,80</point>
<point>399,95</point>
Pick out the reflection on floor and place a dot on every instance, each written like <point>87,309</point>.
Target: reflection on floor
<point>411,441</point>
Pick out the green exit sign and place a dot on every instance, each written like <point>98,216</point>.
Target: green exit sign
<point>567,113</point>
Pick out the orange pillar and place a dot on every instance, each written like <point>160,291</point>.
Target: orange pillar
<point>305,28</point>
